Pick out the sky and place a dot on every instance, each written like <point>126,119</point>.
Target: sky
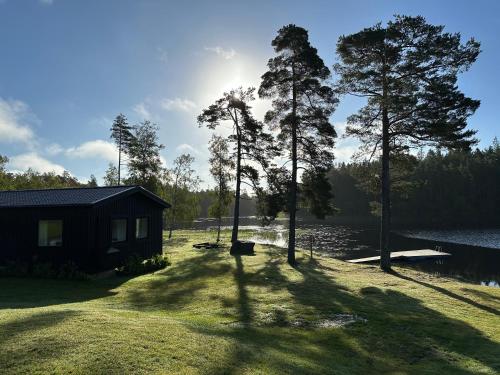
<point>67,68</point>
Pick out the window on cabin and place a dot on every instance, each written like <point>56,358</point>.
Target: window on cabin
<point>141,227</point>
<point>118,230</point>
<point>50,232</point>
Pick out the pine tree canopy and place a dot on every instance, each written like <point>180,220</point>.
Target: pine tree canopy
<point>121,132</point>
<point>296,82</point>
<point>410,68</point>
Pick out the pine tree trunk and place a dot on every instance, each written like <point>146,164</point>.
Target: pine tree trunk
<point>293,189</point>
<point>174,204</point>
<point>220,176</point>
<point>119,155</point>
<point>385,223</point>
<point>172,223</point>
<point>218,229</point>
<point>236,213</point>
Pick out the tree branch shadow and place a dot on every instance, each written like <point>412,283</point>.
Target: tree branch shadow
<point>392,317</point>
<point>448,293</point>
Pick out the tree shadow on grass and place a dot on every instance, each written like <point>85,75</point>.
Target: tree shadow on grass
<point>18,351</point>
<point>177,285</point>
<point>20,293</point>
<point>244,308</point>
<point>448,293</point>
<point>53,342</point>
<point>401,334</point>
<point>483,295</point>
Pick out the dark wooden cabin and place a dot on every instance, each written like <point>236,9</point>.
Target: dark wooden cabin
<point>97,228</point>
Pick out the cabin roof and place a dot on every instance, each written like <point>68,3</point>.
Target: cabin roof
<point>81,196</point>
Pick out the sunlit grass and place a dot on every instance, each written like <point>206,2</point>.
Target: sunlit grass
<point>211,313</point>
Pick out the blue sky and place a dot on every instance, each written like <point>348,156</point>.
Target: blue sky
<point>68,67</point>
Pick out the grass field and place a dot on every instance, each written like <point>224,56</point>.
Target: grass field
<point>213,313</point>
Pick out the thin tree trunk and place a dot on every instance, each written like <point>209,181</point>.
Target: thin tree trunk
<point>220,176</point>
<point>236,213</point>
<point>385,222</point>
<point>218,229</point>
<point>170,230</point>
<point>174,203</point>
<point>119,154</point>
<point>293,191</point>
<point>385,254</point>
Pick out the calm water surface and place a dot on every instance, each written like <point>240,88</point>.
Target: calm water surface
<point>475,253</point>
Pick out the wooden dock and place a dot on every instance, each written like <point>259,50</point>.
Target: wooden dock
<point>410,255</point>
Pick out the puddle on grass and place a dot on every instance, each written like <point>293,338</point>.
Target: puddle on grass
<point>276,319</point>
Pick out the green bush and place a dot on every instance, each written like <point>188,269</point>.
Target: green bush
<point>14,269</point>
<point>43,270</point>
<point>70,271</point>
<point>135,265</point>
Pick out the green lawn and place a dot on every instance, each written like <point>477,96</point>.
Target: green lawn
<point>213,313</point>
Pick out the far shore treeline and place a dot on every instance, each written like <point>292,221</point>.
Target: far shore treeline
<point>439,190</point>
<point>417,163</point>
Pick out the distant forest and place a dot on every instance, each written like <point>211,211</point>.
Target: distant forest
<point>435,190</point>
<point>456,189</point>
<point>248,204</point>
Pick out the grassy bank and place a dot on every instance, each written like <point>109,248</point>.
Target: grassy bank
<point>213,313</point>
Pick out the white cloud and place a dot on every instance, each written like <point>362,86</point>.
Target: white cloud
<point>13,122</point>
<point>162,55</point>
<point>187,148</point>
<point>343,154</point>
<point>340,128</point>
<point>345,147</point>
<point>101,122</point>
<point>224,53</point>
<point>54,149</point>
<point>163,162</point>
<point>34,161</point>
<point>142,111</point>
<point>178,104</point>
<point>94,149</point>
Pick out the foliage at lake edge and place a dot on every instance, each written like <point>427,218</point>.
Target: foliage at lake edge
<point>435,190</point>
<point>209,312</point>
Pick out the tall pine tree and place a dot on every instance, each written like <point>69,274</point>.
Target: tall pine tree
<point>122,135</point>
<point>408,73</point>
<point>302,105</point>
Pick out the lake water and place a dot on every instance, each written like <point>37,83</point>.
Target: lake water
<point>475,253</point>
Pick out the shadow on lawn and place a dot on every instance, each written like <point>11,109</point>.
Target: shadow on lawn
<point>401,333</point>
<point>448,293</point>
<point>16,350</point>
<point>178,284</point>
<point>19,293</point>
<point>28,345</point>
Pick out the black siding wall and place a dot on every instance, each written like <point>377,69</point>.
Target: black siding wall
<point>130,208</point>
<point>19,234</point>
<point>86,233</point>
